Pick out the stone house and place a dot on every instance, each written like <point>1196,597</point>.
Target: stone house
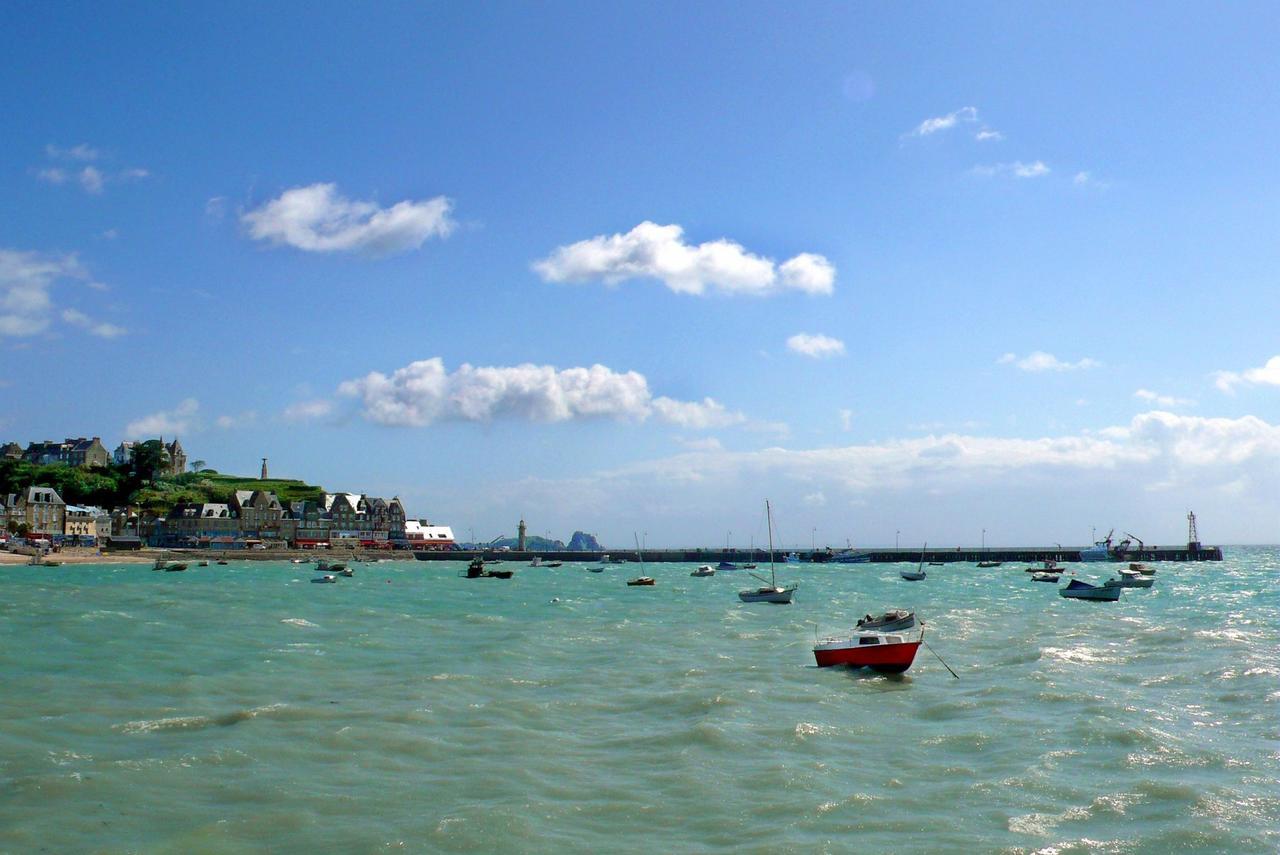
<point>40,508</point>
<point>81,451</point>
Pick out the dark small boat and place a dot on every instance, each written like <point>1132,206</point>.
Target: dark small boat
<point>640,581</point>
<point>475,570</point>
<point>1078,590</point>
<point>174,568</point>
<point>326,579</point>
<point>990,563</point>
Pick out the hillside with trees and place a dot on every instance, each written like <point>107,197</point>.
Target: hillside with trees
<point>143,482</point>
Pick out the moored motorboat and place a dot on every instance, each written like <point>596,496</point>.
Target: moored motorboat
<point>704,570</point>
<point>887,652</point>
<point>1142,568</point>
<point>348,572</point>
<point>1134,579</point>
<point>892,620</point>
<point>1045,576</point>
<point>1080,590</point>
<point>985,564</point>
<point>326,579</point>
<point>850,556</point>
<point>176,567</point>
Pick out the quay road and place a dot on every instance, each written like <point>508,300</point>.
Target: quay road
<point>1021,554</point>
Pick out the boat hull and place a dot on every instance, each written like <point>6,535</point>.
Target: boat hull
<point>891,622</point>
<point>778,596</point>
<point>886,658</point>
<point>1105,594</point>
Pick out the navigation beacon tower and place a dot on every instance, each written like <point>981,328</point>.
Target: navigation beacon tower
<point>263,476</point>
<point>520,540</point>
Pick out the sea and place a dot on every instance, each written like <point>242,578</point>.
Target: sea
<point>241,708</point>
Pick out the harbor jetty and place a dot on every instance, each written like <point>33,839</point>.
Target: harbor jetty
<point>952,555</point>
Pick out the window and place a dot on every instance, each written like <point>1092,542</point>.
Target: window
<point>869,640</point>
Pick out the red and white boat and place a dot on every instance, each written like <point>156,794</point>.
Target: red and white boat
<point>889,652</point>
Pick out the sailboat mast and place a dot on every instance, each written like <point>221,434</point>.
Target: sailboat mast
<point>768,512</point>
<point>639,555</point>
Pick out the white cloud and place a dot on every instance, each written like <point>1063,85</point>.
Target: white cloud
<point>846,420</point>
<point>706,443</point>
<point>1017,169</point>
<point>1267,375</point>
<point>988,135</point>
<point>307,411</point>
<point>1041,361</point>
<point>101,329</point>
<point>424,392</point>
<point>1087,179</point>
<point>943,123</point>
<point>317,219</point>
<point>696,415</point>
<point>652,251</point>
<point>91,179</point>
<point>816,500</point>
<point>236,420</point>
<point>181,419</point>
<point>216,207</point>
<point>1158,451</point>
<point>1162,400</point>
<point>26,282</point>
<point>816,346</point>
<point>77,152</point>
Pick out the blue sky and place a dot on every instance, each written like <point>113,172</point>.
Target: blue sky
<point>901,268</point>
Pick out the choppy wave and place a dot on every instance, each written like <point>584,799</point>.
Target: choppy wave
<point>458,717</point>
<point>198,722</point>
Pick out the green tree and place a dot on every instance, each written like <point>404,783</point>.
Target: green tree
<point>197,465</point>
<point>150,459</point>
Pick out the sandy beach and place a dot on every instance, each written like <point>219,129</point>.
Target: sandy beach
<point>80,555</point>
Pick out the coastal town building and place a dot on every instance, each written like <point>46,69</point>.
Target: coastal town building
<point>85,525</point>
<point>11,451</point>
<point>177,457</point>
<point>40,509</point>
<point>123,453</point>
<point>81,451</point>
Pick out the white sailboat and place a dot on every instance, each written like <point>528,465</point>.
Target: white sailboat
<point>770,593</point>
<point>918,575</point>
<point>641,579</point>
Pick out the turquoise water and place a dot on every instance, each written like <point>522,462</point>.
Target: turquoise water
<point>241,708</point>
